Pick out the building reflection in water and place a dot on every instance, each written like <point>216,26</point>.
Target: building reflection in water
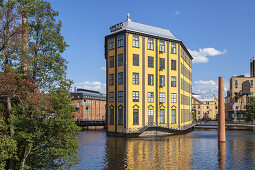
<point>173,152</point>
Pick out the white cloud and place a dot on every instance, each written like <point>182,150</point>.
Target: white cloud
<point>201,55</point>
<point>177,12</point>
<point>103,68</point>
<point>208,87</point>
<point>92,85</point>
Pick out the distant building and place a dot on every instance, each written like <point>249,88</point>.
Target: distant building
<point>197,109</point>
<point>241,88</point>
<point>89,105</point>
<point>205,107</point>
<point>148,74</point>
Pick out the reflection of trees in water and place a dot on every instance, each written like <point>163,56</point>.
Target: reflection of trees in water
<point>116,153</point>
<point>154,153</point>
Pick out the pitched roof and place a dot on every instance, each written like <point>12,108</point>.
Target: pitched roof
<point>142,28</point>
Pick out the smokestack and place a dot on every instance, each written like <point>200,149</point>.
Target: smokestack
<point>252,66</point>
<point>221,107</point>
<point>75,89</point>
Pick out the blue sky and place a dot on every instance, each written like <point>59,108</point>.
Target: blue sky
<point>220,35</point>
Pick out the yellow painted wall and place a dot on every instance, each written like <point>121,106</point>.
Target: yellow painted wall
<point>138,69</point>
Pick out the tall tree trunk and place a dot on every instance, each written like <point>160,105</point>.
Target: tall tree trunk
<point>24,58</point>
<point>9,108</point>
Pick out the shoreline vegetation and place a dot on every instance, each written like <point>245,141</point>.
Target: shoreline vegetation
<point>37,128</point>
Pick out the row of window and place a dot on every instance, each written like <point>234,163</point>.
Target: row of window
<point>136,43</point>
<point>136,79</point>
<point>136,62</point>
<point>186,116</point>
<point>120,42</point>
<point>185,100</point>
<point>136,116</point>
<point>236,83</point>
<point>185,72</point>
<point>185,57</point>
<point>185,86</point>
<point>136,97</point>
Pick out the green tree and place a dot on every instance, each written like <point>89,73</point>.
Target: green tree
<point>37,126</point>
<point>250,109</point>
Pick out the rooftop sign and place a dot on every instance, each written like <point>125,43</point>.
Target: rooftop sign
<point>116,27</point>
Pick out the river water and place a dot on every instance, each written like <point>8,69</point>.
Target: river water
<point>195,150</point>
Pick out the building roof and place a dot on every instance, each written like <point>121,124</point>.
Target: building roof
<point>89,94</point>
<point>196,99</point>
<point>142,28</point>
<point>211,99</point>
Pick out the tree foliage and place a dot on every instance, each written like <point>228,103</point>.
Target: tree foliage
<point>37,128</point>
<point>250,109</point>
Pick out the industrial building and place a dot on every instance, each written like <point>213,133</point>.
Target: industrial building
<point>241,88</point>
<point>148,74</point>
<point>89,105</point>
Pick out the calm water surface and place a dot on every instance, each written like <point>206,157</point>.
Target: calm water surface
<point>195,150</point>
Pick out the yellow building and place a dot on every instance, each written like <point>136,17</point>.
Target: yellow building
<point>197,109</point>
<point>148,74</point>
<point>205,108</point>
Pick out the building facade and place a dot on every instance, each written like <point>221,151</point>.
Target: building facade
<point>197,109</point>
<point>241,88</point>
<point>210,108</point>
<point>205,108</point>
<point>89,105</point>
<point>148,74</point>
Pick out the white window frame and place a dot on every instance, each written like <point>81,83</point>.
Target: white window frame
<point>150,44</point>
<point>162,46</point>
<point>135,41</point>
<point>150,97</point>
<point>162,97</point>
<point>173,97</point>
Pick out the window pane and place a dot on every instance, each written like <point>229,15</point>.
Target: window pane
<point>135,116</point>
<point>162,116</point>
<point>135,41</point>
<point>120,59</point>
<point>120,116</point>
<point>120,78</point>
<point>111,116</point>
<point>111,79</point>
<point>161,80</point>
<point>173,64</point>
<point>150,62</point>
<point>161,63</point>
<point>150,79</point>
<point>135,78</point>
<point>173,81</point>
<point>173,119</point>
<point>120,41</point>
<point>150,96</point>
<point>135,96</point>
<point>135,60</point>
<point>111,43</point>
<point>120,96</point>
<point>111,61</point>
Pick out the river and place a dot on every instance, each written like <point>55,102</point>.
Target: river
<point>195,150</point>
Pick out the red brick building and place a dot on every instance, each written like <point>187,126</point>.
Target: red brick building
<point>89,105</point>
